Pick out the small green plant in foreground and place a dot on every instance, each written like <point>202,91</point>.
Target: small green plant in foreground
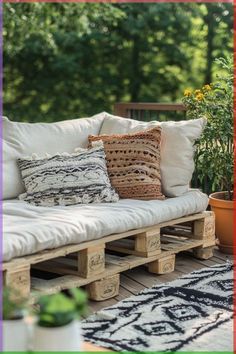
<point>59,309</point>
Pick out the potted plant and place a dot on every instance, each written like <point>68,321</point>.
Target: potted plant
<point>57,327</point>
<point>214,153</point>
<point>14,326</point>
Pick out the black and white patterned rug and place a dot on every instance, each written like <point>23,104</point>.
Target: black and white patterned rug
<point>192,313</point>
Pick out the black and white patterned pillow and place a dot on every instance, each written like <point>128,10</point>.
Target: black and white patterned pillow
<point>67,179</point>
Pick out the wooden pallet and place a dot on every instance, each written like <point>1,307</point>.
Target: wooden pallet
<point>97,264</point>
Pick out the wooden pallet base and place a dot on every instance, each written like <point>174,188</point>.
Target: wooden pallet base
<point>104,289</point>
<point>163,265</point>
<point>203,253</point>
<point>97,264</point>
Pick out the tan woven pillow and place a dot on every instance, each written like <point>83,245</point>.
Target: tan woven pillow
<point>133,163</point>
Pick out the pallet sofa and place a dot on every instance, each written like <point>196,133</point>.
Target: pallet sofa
<point>46,250</point>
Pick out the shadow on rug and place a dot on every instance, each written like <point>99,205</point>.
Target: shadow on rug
<point>192,313</point>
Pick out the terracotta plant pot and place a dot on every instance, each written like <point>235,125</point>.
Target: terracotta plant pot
<point>223,210</point>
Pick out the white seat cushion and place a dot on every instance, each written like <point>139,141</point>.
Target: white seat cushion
<point>29,229</point>
<point>177,149</point>
<point>23,139</point>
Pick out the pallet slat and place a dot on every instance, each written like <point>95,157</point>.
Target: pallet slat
<point>90,264</point>
<point>65,250</point>
<point>67,281</point>
<point>168,243</point>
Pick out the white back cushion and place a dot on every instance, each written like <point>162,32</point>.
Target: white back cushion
<point>177,149</point>
<point>23,139</point>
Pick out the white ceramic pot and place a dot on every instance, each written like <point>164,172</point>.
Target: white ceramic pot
<point>15,336</point>
<point>65,338</point>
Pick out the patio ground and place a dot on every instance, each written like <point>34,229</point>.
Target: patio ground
<point>134,280</point>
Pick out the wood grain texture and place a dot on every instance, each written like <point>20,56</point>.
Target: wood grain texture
<point>87,263</point>
<point>18,280</point>
<point>104,289</point>
<point>65,250</point>
<point>203,253</point>
<point>91,261</point>
<point>205,228</point>
<point>148,241</point>
<point>163,265</point>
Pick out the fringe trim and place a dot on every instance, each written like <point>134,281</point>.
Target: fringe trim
<point>78,151</point>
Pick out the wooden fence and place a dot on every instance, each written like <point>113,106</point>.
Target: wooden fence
<point>151,111</point>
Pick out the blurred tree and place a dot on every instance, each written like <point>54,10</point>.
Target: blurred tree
<point>74,59</point>
<point>219,24</point>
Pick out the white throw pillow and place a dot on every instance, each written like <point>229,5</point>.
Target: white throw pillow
<point>67,179</point>
<point>23,139</point>
<point>177,149</point>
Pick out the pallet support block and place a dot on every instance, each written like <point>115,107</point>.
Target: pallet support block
<point>163,265</point>
<point>104,289</point>
<point>148,243</point>
<point>203,253</point>
<point>91,261</point>
<point>204,229</point>
<point>19,280</point>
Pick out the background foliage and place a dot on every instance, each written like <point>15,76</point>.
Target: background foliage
<point>214,158</point>
<point>68,60</point>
